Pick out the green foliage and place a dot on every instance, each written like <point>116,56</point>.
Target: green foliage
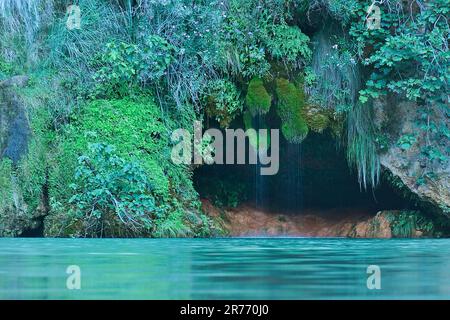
<point>295,131</point>
<point>433,153</point>
<point>405,224</point>
<point>434,150</point>
<point>361,147</point>
<point>121,66</point>
<point>6,69</point>
<point>72,52</point>
<point>105,185</point>
<point>124,65</point>
<point>290,103</point>
<point>21,188</point>
<point>334,71</point>
<point>252,32</point>
<point>141,135</point>
<point>419,42</point>
<point>409,57</point>
<point>226,191</point>
<point>172,227</point>
<point>6,199</point>
<point>240,47</point>
<point>22,183</point>
<point>288,44</point>
<point>342,10</point>
<point>258,100</point>
<point>13,214</point>
<point>20,23</point>
<point>223,101</point>
<point>157,54</point>
<point>406,141</point>
<point>196,57</point>
<point>192,30</point>
<point>135,127</point>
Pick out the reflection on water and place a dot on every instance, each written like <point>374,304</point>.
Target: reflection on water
<point>224,268</point>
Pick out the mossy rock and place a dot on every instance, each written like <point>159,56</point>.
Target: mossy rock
<point>336,125</point>
<point>407,224</point>
<point>140,132</point>
<point>294,131</point>
<point>255,142</point>
<point>258,100</point>
<point>291,101</point>
<point>316,117</point>
<point>398,224</point>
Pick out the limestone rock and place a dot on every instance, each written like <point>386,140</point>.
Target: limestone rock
<point>428,179</point>
<point>395,224</point>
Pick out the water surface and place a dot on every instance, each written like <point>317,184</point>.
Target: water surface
<point>261,268</point>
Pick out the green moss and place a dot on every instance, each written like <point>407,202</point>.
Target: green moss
<point>291,101</point>
<point>6,69</point>
<point>253,137</point>
<point>139,131</point>
<point>336,125</point>
<point>135,127</point>
<point>6,192</point>
<point>258,100</point>
<point>316,118</point>
<point>248,120</point>
<point>22,183</point>
<point>294,131</point>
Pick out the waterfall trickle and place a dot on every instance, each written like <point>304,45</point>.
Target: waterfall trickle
<point>259,178</point>
<point>293,185</point>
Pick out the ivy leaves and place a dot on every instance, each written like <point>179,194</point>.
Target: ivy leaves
<point>409,54</point>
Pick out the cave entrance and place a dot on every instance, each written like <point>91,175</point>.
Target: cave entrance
<point>313,176</point>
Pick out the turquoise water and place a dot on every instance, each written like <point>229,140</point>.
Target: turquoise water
<point>265,268</point>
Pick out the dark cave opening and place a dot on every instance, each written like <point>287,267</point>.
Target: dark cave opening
<point>312,175</point>
<point>34,231</point>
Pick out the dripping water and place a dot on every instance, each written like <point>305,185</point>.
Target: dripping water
<point>293,184</point>
<point>259,179</point>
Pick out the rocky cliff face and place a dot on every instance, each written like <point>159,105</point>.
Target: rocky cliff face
<point>248,221</point>
<point>418,158</point>
<point>15,134</point>
<point>14,125</point>
<point>413,138</point>
<point>395,224</point>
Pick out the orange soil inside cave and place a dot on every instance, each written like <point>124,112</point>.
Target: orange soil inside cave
<point>247,220</point>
